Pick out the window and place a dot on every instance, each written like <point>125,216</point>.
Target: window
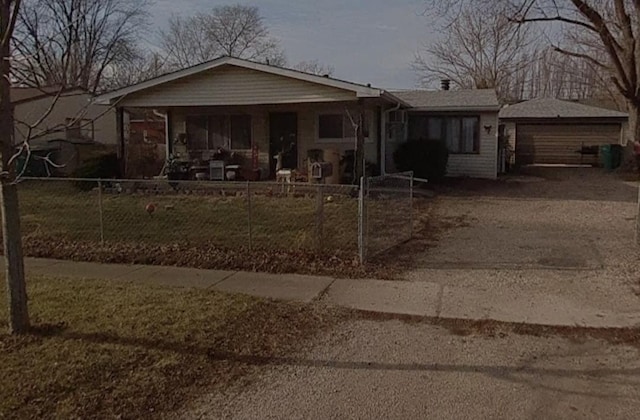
<point>461,134</point>
<point>331,126</point>
<point>241,132</point>
<point>470,141</point>
<point>218,131</point>
<point>340,127</point>
<point>197,129</point>
<point>78,129</point>
<point>435,128</point>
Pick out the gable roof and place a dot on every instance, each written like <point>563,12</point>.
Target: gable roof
<point>545,108</point>
<point>361,91</point>
<point>19,94</point>
<point>451,100</point>
<point>26,94</point>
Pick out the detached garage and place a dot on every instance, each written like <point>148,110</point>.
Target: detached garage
<point>552,131</point>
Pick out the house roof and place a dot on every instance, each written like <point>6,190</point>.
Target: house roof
<point>545,108</point>
<point>361,91</point>
<point>26,94</point>
<point>451,100</point>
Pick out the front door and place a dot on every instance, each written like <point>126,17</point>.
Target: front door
<point>283,140</point>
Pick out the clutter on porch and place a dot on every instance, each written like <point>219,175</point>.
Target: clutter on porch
<point>321,166</point>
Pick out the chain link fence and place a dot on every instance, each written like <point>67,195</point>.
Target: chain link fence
<point>386,213</point>
<point>365,221</point>
<point>259,215</point>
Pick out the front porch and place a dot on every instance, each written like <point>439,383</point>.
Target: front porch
<point>254,142</point>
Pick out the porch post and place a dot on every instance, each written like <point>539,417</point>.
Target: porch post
<point>360,155</point>
<point>168,131</point>
<point>121,145</point>
<point>383,141</point>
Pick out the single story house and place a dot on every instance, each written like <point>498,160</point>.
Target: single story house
<point>268,116</point>
<point>466,120</point>
<point>554,131</point>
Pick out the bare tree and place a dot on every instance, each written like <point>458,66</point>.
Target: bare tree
<point>480,49</point>
<point>75,42</point>
<point>611,27</point>
<point>185,43</point>
<point>138,68</point>
<point>314,67</point>
<point>235,31</point>
<point>12,241</point>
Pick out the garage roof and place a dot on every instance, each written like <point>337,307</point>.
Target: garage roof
<point>549,108</point>
<point>451,100</point>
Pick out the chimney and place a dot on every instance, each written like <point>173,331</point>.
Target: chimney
<point>445,84</point>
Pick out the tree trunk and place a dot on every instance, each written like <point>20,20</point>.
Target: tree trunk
<point>16,286</point>
<point>12,241</point>
<point>634,122</point>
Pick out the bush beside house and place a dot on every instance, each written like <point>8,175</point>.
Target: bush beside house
<point>427,159</point>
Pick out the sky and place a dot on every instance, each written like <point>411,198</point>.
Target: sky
<point>366,41</point>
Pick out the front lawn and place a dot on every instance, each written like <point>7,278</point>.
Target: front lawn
<point>196,213</point>
<point>108,349</point>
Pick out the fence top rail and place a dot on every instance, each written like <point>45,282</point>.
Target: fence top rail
<point>204,184</point>
<point>397,175</point>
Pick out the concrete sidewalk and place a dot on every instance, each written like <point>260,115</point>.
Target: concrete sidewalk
<point>394,297</point>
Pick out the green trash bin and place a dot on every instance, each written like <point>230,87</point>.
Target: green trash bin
<point>617,153</point>
<point>606,157</point>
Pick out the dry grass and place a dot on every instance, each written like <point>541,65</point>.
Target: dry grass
<point>102,349</point>
<point>208,215</point>
<point>205,227</point>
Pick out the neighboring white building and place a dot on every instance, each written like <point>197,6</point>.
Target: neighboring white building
<point>68,117</point>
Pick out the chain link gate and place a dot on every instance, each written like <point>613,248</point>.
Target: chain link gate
<point>385,213</point>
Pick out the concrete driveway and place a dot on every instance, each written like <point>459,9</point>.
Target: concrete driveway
<point>565,233</point>
<point>395,370</point>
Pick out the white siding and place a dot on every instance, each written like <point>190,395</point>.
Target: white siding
<point>72,105</point>
<point>230,85</point>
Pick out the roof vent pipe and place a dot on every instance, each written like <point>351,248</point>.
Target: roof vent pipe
<point>445,84</point>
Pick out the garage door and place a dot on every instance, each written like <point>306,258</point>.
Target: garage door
<point>559,144</point>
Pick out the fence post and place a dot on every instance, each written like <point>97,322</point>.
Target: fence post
<point>319,216</point>
<point>638,219</point>
<point>249,215</point>
<point>101,210</point>
<point>361,223</point>
<point>411,209</point>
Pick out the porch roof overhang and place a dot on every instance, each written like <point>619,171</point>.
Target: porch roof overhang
<point>360,91</point>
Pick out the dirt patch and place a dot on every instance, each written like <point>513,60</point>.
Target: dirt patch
<point>429,228</point>
<point>499,329</point>
<point>185,254</point>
